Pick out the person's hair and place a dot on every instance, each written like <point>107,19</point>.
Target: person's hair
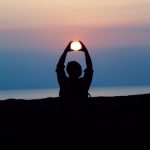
<point>74,69</point>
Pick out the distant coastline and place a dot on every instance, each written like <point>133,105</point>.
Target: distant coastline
<point>94,92</point>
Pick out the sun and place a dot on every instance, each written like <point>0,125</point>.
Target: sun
<point>76,46</point>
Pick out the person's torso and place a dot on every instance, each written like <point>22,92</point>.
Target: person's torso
<point>74,88</point>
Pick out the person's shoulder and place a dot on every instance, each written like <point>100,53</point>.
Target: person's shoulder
<point>88,70</point>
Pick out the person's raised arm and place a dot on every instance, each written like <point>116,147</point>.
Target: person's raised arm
<point>61,76</point>
<point>87,57</point>
<point>63,56</point>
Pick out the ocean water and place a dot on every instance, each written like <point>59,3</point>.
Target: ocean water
<point>44,93</point>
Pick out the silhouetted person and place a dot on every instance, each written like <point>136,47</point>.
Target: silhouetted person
<point>74,86</point>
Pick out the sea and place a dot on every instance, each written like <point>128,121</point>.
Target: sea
<point>94,92</point>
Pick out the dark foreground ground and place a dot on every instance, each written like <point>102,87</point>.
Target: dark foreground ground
<point>52,123</point>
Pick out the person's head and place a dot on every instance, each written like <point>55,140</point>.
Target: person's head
<point>74,69</point>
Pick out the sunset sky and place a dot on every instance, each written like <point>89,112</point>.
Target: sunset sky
<point>34,33</point>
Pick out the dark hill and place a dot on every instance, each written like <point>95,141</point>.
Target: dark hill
<point>53,123</point>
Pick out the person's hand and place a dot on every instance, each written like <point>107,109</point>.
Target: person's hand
<point>83,49</point>
<point>68,49</point>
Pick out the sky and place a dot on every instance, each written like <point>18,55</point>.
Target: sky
<point>34,33</point>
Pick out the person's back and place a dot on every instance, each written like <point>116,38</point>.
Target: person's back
<point>74,86</point>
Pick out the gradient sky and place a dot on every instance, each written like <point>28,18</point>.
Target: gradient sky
<point>34,33</point>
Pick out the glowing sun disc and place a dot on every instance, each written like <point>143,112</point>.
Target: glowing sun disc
<point>76,46</point>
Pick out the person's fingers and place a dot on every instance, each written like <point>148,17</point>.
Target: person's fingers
<point>70,43</point>
<point>70,50</point>
<point>83,46</point>
<point>81,50</point>
<point>68,46</point>
<point>81,43</point>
